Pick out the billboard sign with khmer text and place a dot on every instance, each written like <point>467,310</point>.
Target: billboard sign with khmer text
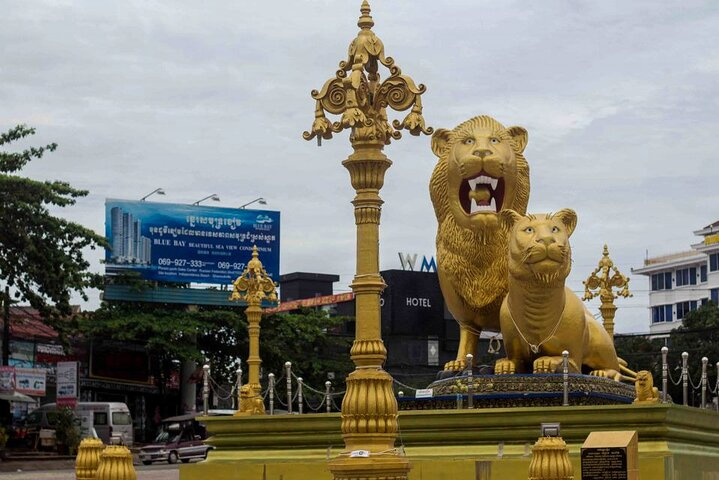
<point>188,243</point>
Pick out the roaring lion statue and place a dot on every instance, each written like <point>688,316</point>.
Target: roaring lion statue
<point>644,387</point>
<point>481,170</point>
<point>540,317</point>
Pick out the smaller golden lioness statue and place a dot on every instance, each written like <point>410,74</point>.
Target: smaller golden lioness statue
<point>540,317</point>
<point>644,387</point>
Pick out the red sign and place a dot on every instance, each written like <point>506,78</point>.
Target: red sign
<point>312,302</point>
<point>66,402</point>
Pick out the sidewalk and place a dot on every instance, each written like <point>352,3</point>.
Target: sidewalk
<point>35,464</point>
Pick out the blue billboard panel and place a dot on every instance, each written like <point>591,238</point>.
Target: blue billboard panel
<point>172,242</point>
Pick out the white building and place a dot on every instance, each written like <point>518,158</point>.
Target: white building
<point>682,282</point>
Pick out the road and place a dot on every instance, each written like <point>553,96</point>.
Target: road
<point>152,472</point>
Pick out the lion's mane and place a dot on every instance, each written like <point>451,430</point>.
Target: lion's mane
<point>475,261</point>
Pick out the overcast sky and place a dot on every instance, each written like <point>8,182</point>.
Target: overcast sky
<point>619,98</point>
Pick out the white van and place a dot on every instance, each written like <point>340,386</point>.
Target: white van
<point>111,420</point>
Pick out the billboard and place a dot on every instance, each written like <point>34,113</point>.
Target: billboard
<point>180,243</point>
<point>31,381</point>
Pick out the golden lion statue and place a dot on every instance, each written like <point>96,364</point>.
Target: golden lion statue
<point>481,170</point>
<point>540,317</point>
<point>250,401</point>
<point>644,387</point>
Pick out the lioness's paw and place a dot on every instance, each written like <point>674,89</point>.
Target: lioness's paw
<point>455,366</point>
<point>547,364</point>
<point>504,366</point>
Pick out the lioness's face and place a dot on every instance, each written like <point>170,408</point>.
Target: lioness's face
<point>481,174</point>
<point>539,244</point>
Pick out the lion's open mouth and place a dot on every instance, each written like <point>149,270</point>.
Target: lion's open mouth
<point>481,194</point>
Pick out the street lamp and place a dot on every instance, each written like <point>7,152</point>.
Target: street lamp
<point>253,286</point>
<point>214,197</point>
<point>259,200</point>
<point>158,191</point>
<point>362,99</point>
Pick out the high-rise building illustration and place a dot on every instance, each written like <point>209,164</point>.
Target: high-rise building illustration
<point>128,244</point>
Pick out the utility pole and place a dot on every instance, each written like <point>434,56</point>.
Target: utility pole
<point>6,328</point>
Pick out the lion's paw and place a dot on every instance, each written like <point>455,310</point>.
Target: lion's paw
<point>504,366</point>
<point>547,365</point>
<point>611,374</point>
<point>455,366</point>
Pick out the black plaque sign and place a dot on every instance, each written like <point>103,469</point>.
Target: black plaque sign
<point>604,463</point>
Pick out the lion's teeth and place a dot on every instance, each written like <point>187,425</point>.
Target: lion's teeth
<point>472,183</point>
<point>492,207</point>
<point>494,182</point>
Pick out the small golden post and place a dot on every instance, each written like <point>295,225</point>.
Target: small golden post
<point>253,286</point>
<point>369,408</point>
<point>601,283</point>
<point>88,458</point>
<point>116,464</point>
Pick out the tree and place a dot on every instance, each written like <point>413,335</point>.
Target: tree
<point>699,337</point>
<point>41,256</point>
<point>640,353</point>
<point>219,334</point>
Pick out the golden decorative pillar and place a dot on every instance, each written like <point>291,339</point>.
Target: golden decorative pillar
<point>601,283</point>
<point>550,460</point>
<point>369,408</point>
<point>88,458</point>
<point>253,286</point>
<point>116,464</point>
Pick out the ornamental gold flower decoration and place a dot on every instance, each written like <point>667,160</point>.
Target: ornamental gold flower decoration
<point>357,95</point>
<point>254,284</point>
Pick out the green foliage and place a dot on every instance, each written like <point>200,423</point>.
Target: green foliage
<point>67,431</point>
<point>306,340</point>
<point>699,337</point>
<point>40,255</point>
<point>640,353</point>
<point>174,332</point>
<point>171,332</point>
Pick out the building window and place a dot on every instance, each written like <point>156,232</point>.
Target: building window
<point>662,313</point>
<point>685,307</point>
<point>662,281</point>
<point>705,301</point>
<point>703,274</point>
<point>714,295</point>
<point>714,262</point>
<point>686,276</point>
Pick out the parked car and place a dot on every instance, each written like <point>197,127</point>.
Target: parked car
<point>111,420</point>
<point>180,438</point>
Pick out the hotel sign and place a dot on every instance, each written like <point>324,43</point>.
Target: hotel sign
<point>711,239</point>
<point>409,262</point>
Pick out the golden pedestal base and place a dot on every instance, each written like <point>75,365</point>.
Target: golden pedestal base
<point>389,467</point>
<point>675,443</point>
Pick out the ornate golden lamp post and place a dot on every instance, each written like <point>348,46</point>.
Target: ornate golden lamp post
<point>369,409</point>
<point>602,281</point>
<point>253,286</point>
